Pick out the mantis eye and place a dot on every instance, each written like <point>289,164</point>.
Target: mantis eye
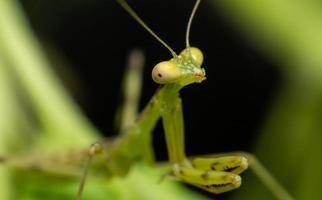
<point>165,72</point>
<point>196,54</point>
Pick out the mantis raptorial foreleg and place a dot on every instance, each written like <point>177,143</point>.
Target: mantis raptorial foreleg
<point>216,175</point>
<point>234,164</point>
<point>212,181</point>
<point>172,119</point>
<point>237,162</point>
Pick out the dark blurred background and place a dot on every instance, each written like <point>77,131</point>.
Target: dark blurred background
<point>92,39</point>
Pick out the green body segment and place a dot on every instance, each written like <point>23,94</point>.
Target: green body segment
<point>133,144</point>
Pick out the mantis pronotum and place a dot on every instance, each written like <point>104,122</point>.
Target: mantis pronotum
<point>215,174</point>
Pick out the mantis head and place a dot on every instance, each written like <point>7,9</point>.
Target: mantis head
<point>183,69</point>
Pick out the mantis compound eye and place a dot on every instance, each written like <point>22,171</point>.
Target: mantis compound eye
<point>165,72</point>
<point>196,54</point>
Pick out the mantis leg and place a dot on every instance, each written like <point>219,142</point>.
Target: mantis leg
<point>94,149</point>
<point>128,111</point>
<point>131,86</point>
<point>215,175</point>
<point>211,181</point>
<point>61,164</point>
<point>237,163</point>
<point>233,164</point>
<point>172,118</point>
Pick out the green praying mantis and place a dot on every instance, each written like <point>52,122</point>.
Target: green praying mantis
<point>215,174</point>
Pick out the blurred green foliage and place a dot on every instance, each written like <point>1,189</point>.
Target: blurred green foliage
<point>289,32</point>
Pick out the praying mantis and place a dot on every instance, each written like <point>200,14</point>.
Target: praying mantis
<point>215,174</point>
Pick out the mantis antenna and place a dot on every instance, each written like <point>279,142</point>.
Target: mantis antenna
<point>189,23</point>
<point>128,8</point>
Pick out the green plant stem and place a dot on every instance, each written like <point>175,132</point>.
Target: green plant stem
<point>61,120</point>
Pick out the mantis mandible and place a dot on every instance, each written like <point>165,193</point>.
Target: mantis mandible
<point>216,174</point>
